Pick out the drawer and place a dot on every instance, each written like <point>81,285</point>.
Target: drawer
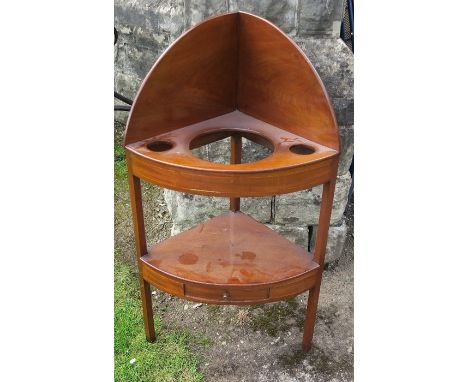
<point>227,295</point>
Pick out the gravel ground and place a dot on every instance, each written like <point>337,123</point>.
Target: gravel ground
<point>254,343</point>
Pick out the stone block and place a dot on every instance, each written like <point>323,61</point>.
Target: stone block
<point>344,110</point>
<point>300,236</point>
<point>280,13</point>
<point>295,234</point>
<point>217,152</point>
<point>259,208</point>
<point>198,10</point>
<point>252,152</point>
<point>334,63</point>
<point>126,84</point>
<point>156,19</point>
<point>347,149</point>
<point>133,60</point>
<point>220,151</point>
<point>335,243</point>
<point>187,210</point>
<point>320,17</point>
<point>303,208</point>
<point>121,116</point>
<point>146,28</point>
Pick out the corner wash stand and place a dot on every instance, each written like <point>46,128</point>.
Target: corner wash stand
<point>238,76</point>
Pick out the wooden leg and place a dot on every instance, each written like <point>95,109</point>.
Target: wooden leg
<point>147,310</point>
<point>137,214</point>
<point>140,242</point>
<point>236,158</point>
<point>319,256</point>
<point>309,323</point>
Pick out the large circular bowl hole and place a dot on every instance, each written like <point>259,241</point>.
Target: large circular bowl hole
<point>215,146</point>
<point>302,149</point>
<point>159,146</point>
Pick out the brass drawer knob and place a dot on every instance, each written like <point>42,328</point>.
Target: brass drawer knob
<point>226,295</point>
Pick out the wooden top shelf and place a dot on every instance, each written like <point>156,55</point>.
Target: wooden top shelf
<point>294,164</point>
<point>233,74</point>
<point>230,250</point>
<point>174,148</point>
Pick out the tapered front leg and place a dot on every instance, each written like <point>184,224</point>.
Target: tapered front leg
<point>309,323</point>
<point>140,243</point>
<point>147,310</point>
<point>319,257</point>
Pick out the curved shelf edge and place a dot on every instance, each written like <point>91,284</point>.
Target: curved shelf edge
<point>247,184</point>
<point>232,294</point>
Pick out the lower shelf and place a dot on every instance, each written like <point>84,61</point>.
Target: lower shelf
<point>230,259</point>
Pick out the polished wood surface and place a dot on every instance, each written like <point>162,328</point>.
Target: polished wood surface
<point>174,166</point>
<point>140,244</point>
<point>278,84</point>
<point>231,248</point>
<point>235,61</point>
<point>319,256</point>
<point>195,79</point>
<point>234,75</point>
<point>232,294</point>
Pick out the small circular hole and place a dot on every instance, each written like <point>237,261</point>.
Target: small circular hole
<point>159,146</point>
<point>302,149</point>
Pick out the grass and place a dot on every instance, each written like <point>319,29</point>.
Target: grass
<point>120,166</point>
<point>170,357</point>
<point>167,359</point>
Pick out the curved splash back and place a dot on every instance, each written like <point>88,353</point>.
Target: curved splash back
<point>228,62</point>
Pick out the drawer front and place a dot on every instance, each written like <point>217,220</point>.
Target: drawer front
<point>225,295</point>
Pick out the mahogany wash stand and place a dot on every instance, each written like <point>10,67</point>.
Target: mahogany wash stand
<point>238,76</point>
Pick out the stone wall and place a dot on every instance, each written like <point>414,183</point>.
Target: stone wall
<point>147,27</point>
